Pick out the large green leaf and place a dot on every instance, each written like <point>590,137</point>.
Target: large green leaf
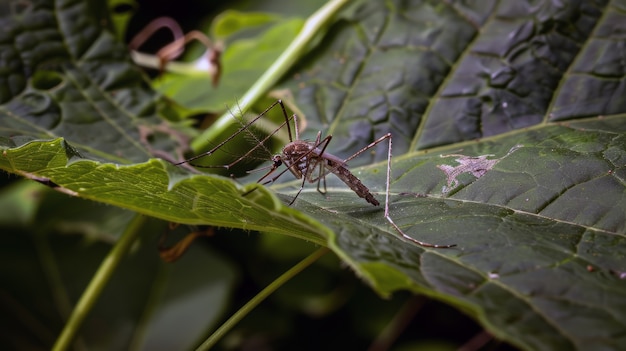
<point>540,233</point>
<point>64,75</point>
<point>524,101</point>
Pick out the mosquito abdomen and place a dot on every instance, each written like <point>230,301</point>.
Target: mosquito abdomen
<point>353,182</point>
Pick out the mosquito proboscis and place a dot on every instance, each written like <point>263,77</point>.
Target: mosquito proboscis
<point>309,161</point>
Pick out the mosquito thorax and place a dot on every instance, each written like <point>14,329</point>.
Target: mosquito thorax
<point>296,149</point>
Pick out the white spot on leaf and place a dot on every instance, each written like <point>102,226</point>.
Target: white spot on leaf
<point>475,165</point>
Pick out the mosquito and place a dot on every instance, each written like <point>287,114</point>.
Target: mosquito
<point>309,162</point>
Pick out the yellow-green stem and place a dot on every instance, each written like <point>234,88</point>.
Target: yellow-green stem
<point>255,301</point>
<point>287,59</point>
<point>98,282</point>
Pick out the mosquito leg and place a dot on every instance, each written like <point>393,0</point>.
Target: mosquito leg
<point>356,154</point>
<point>295,127</point>
<point>371,145</point>
<point>388,181</point>
<point>299,191</point>
<point>240,130</point>
<point>319,164</point>
<point>321,178</point>
<point>387,216</point>
<point>321,175</point>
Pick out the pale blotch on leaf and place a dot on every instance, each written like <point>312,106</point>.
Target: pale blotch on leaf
<point>476,165</point>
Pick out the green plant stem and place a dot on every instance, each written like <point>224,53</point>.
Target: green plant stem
<point>98,282</point>
<point>287,59</point>
<point>256,300</point>
<point>398,323</point>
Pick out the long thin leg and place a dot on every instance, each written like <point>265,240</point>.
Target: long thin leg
<point>321,176</point>
<point>356,154</point>
<point>387,216</point>
<point>240,130</point>
<point>387,185</point>
<point>299,191</point>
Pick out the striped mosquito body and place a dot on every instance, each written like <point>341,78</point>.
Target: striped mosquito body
<point>350,180</point>
<point>309,162</point>
<point>305,160</point>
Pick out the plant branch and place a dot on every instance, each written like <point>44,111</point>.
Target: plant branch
<point>260,297</point>
<point>98,282</point>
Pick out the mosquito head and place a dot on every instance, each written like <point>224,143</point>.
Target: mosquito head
<point>277,161</point>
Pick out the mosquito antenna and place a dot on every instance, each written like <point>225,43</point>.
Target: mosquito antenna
<point>231,137</point>
<point>262,142</point>
<point>252,135</point>
<point>261,169</point>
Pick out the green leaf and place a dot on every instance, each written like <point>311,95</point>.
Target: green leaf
<point>509,141</point>
<point>540,232</point>
<point>64,75</point>
<point>144,294</point>
<point>158,189</point>
<point>45,270</point>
